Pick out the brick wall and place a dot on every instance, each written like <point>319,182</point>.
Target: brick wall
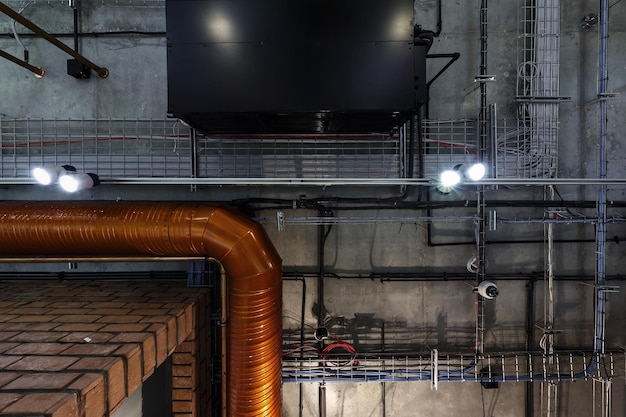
<point>79,348</point>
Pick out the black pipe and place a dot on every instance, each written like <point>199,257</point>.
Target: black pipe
<point>88,34</point>
<point>444,276</point>
<point>530,340</point>
<point>323,232</point>
<point>76,29</point>
<point>614,239</point>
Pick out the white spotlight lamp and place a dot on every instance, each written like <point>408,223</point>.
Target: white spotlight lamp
<point>50,175</point>
<point>475,172</point>
<point>448,180</point>
<point>72,182</point>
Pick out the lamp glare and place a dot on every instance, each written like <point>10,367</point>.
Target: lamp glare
<point>450,178</point>
<point>42,176</point>
<point>476,172</point>
<point>69,183</point>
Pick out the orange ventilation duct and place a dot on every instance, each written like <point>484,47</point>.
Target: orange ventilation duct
<point>253,267</point>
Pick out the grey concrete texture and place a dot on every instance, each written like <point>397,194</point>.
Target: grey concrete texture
<point>441,314</point>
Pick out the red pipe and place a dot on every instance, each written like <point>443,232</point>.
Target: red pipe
<point>241,245</point>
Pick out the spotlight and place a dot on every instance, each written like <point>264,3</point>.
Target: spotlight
<point>50,175</point>
<point>73,182</point>
<point>475,172</point>
<point>450,178</point>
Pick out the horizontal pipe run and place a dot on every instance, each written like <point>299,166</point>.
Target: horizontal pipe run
<point>329,182</point>
<point>92,259</point>
<point>38,71</point>
<point>101,71</point>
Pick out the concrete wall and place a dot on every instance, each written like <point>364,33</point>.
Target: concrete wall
<point>136,88</point>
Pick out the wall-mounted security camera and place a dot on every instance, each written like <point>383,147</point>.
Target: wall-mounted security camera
<point>487,289</point>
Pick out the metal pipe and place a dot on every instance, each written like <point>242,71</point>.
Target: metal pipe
<point>254,336</point>
<point>49,259</point>
<point>329,182</point>
<point>38,71</point>
<point>602,189</point>
<point>102,72</point>
<point>322,400</point>
<point>224,338</point>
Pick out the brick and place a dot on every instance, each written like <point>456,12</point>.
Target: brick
<point>120,319</point>
<point>182,406</point>
<point>79,337</point>
<point>23,311</point>
<point>157,319</point>
<point>91,389</point>
<point>7,345</point>
<point>134,363</point>
<point>144,304</point>
<point>7,335</point>
<point>90,349</point>
<point>6,377</point>
<point>35,327</point>
<point>113,371</point>
<point>182,382</point>
<point>190,312</point>
<point>180,358</point>
<point>80,327</point>
<point>76,318</point>
<point>40,363</point>
<point>8,360</point>
<point>37,336</point>
<point>70,311</point>
<point>6,399</point>
<point>182,370</point>
<point>38,349</point>
<point>148,346</point>
<point>112,311</point>
<point>69,304</point>
<point>107,304</point>
<point>4,304</point>
<point>181,395</point>
<point>42,381</point>
<point>125,327</point>
<point>160,334</point>
<point>52,404</point>
<point>172,334</point>
<point>150,312</point>
<point>37,304</point>
<point>31,319</point>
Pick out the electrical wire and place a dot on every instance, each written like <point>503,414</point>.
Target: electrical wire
<point>15,34</point>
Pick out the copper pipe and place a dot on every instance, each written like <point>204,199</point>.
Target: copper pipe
<point>102,72</point>
<point>38,71</point>
<point>254,341</point>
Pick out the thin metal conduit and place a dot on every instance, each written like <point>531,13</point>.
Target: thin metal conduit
<point>158,229</point>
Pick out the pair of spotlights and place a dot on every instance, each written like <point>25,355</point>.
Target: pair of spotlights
<point>66,176</point>
<point>452,177</point>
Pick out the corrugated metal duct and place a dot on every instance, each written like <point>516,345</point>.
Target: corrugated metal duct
<point>252,265</point>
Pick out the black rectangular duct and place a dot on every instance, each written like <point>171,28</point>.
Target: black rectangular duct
<point>293,67</point>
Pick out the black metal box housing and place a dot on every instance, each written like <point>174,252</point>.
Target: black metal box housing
<point>287,66</point>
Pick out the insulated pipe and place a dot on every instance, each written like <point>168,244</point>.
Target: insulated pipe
<point>239,244</point>
<point>102,72</point>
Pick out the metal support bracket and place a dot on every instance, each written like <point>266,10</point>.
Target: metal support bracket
<point>434,371</point>
<point>484,78</point>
